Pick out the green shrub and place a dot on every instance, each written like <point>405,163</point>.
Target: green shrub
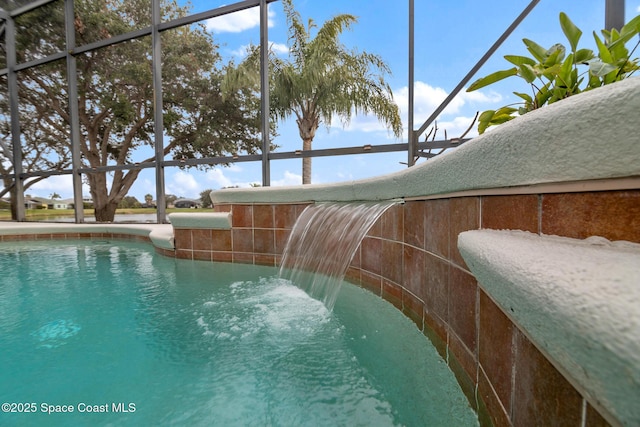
<point>553,75</point>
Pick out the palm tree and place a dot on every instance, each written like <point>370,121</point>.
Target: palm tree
<point>322,79</point>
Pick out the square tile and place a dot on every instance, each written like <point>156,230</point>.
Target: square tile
<point>413,275</point>
<point>463,300</point>
<point>437,226</point>
<point>221,240</point>
<point>202,255</point>
<point>392,293</point>
<point>242,216</point>
<point>243,258</point>
<point>580,215</point>
<point>221,256</point>
<point>263,216</point>
<point>242,240</point>
<point>285,216</point>
<point>371,282</point>
<point>264,241</point>
<point>435,290</point>
<point>184,254</point>
<point>413,224</point>
<point>463,364</point>
<point>436,331</point>
<point>202,240</point>
<point>182,239</point>
<point>495,348</point>
<point>512,212</point>
<point>392,261</point>
<point>391,223</point>
<point>413,308</point>
<point>371,255</point>
<point>261,259</point>
<point>282,237</point>
<point>542,396</point>
<point>497,412</point>
<point>464,215</point>
<point>594,419</point>
<point>353,276</point>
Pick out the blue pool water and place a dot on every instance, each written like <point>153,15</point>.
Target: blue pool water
<point>122,336</point>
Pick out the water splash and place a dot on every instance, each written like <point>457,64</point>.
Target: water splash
<point>323,242</point>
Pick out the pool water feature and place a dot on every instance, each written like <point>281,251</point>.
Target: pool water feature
<point>141,339</point>
<point>323,242</point>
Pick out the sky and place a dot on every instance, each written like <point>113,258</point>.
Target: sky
<point>450,38</point>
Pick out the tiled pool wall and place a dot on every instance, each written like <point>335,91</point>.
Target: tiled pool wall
<point>410,258</point>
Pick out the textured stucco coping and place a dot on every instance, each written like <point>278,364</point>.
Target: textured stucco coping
<point>161,235</point>
<point>205,220</point>
<point>592,136</point>
<point>578,300</point>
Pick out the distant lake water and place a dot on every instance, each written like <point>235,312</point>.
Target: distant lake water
<point>119,218</point>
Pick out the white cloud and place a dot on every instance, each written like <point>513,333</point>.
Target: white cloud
<point>183,184</point>
<point>426,99</point>
<point>454,128</point>
<point>217,178</point>
<point>238,21</point>
<point>455,118</point>
<point>278,48</point>
<point>362,123</point>
<point>345,176</point>
<point>241,52</point>
<point>289,178</point>
<point>60,184</point>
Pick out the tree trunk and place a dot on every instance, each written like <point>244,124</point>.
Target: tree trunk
<point>8,183</point>
<point>307,126</point>
<point>106,213</point>
<point>306,163</point>
<point>106,202</point>
<point>14,206</point>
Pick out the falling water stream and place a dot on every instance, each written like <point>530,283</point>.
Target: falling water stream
<point>323,242</point>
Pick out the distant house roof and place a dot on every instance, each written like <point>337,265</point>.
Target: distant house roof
<point>187,203</point>
<point>51,203</point>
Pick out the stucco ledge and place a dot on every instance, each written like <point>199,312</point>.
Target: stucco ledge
<point>577,301</point>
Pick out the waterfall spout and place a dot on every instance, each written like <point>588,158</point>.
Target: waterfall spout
<point>323,242</point>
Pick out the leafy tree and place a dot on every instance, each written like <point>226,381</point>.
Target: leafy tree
<point>321,79</point>
<point>205,198</point>
<point>115,94</point>
<point>40,126</point>
<point>170,199</point>
<point>553,75</point>
<point>129,202</point>
<point>41,148</point>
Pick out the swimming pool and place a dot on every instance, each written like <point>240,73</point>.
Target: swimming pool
<point>120,335</point>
